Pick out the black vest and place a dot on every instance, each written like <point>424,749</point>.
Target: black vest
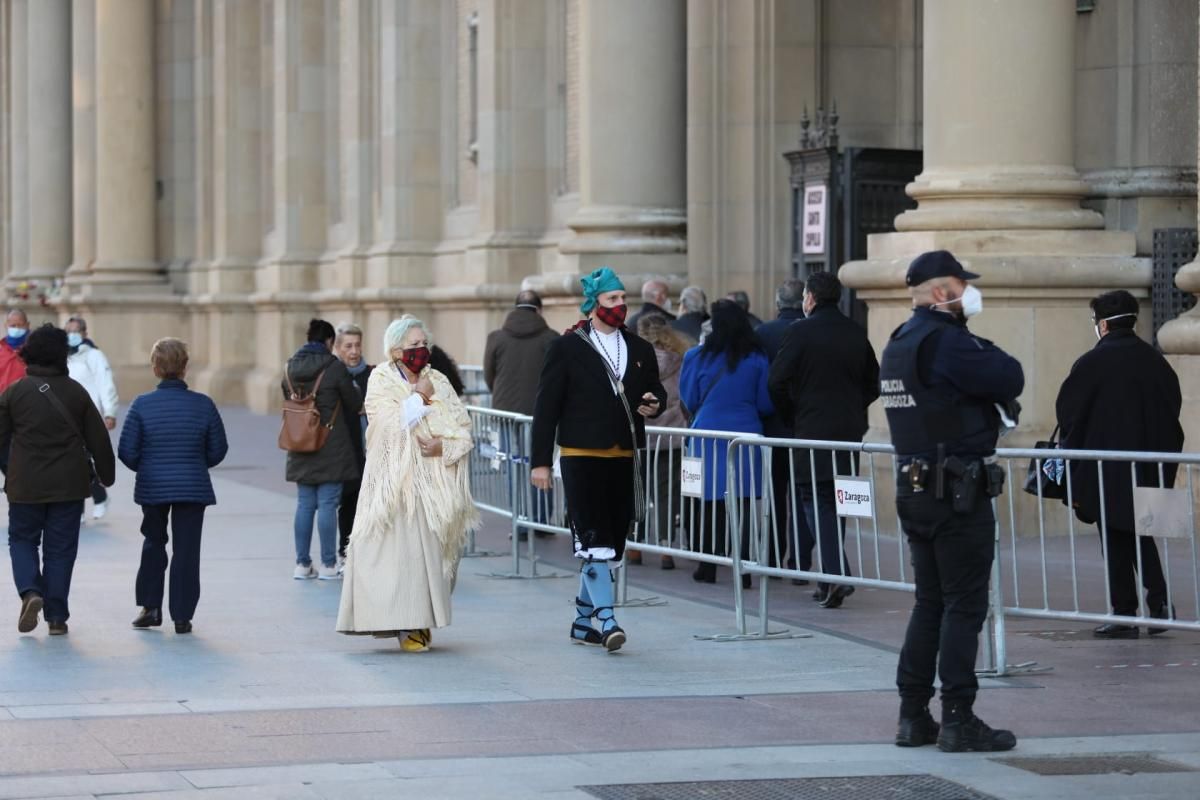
<point>921,417</point>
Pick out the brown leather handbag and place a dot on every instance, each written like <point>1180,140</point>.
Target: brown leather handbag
<point>302,431</point>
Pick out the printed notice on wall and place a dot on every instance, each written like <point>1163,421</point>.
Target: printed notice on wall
<point>691,477</point>
<point>813,229</point>
<point>853,497</point>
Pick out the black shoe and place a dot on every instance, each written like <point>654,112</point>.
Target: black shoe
<point>962,731</point>
<point>834,597</point>
<point>1112,631</point>
<point>585,634</point>
<point>31,606</point>
<point>746,582</point>
<point>667,563</point>
<point>799,582</point>
<point>917,731</point>
<point>818,595</point>
<point>149,618</point>
<point>57,628</point>
<point>183,627</point>
<point>1162,613</point>
<point>705,573</point>
<point>613,639</point>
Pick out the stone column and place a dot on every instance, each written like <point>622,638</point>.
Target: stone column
<point>49,144</point>
<point>632,143</point>
<point>83,136</point>
<point>999,146</point>
<point>18,154</point>
<point>1000,192</point>
<point>125,137</point>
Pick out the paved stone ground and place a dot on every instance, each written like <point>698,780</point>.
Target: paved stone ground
<point>265,700</point>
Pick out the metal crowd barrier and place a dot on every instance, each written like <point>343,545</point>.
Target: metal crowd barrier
<point>475,388</point>
<point>1046,566</point>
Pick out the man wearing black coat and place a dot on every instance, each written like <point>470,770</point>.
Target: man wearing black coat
<point>789,302</point>
<point>1121,395</point>
<point>824,378</point>
<point>597,387</point>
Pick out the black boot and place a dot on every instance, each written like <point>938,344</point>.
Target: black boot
<point>149,618</point>
<point>705,573</point>
<point>963,731</point>
<point>1161,613</point>
<point>917,726</point>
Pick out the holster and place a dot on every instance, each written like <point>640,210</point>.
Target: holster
<point>966,479</point>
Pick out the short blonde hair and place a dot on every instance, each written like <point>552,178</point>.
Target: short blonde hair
<point>169,357</point>
<point>347,329</point>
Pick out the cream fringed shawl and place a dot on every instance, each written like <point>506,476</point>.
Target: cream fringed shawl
<point>400,482</point>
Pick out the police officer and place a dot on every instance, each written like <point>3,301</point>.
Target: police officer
<point>940,387</point>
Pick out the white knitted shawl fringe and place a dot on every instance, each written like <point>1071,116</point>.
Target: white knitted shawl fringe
<point>398,480</point>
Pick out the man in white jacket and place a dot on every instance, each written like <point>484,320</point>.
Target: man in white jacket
<point>89,367</point>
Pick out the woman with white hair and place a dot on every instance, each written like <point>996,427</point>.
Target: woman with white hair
<point>415,507</point>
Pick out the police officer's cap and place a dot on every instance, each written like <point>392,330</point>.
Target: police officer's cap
<point>936,264</point>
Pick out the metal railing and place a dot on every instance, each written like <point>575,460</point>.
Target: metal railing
<point>751,522</point>
<point>475,388</point>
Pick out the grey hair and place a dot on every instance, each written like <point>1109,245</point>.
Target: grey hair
<point>692,299</point>
<point>347,329</point>
<point>20,311</point>
<point>80,321</point>
<point>396,331</point>
<point>790,294</point>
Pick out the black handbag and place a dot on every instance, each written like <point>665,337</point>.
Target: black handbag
<point>1037,481</point>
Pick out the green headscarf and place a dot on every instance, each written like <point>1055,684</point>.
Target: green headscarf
<point>597,283</point>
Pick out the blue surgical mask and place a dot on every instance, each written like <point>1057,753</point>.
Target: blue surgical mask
<point>74,339</point>
<point>17,333</point>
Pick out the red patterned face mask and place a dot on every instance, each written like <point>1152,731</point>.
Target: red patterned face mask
<point>415,358</point>
<point>613,317</point>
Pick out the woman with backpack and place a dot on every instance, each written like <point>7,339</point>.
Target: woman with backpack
<point>320,458</point>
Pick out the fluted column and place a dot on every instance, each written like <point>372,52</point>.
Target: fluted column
<point>18,154</point>
<point>999,147</point>
<point>83,136</point>
<point>632,143</point>
<point>125,157</point>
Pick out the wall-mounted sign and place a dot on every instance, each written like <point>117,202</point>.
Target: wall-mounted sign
<point>814,219</point>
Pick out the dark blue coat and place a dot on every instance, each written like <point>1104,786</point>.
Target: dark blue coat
<point>172,437</point>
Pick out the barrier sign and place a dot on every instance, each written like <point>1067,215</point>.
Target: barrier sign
<point>1166,513</point>
<point>691,477</point>
<point>853,497</point>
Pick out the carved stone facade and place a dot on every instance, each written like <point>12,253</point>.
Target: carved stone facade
<point>222,170</point>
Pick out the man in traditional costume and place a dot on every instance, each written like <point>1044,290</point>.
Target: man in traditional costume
<point>598,384</point>
<point>415,507</point>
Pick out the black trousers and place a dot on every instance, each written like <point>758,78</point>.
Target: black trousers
<point>820,509</point>
<point>346,511</point>
<point>952,562</point>
<point>599,500</point>
<point>786,522</point>
<point>186,521</point>
<point>1120,549</point>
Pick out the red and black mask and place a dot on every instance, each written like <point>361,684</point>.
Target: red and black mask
<point>415,358</point>
<point>613,317</point>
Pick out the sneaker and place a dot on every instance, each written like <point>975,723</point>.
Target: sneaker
<point>31,606</point>
<point>417,641</point>
<point>963,731</point>
<point>329,574</point>
<point>100,510</point>
<point>57,628</point>
<point>341,567</point>
<point>304,573</point>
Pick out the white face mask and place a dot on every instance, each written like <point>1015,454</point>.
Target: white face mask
<point>1096,325</point>
<point>972,301</point>
<point>74,339</point>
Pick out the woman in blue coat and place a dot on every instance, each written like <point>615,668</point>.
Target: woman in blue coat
<point>171,439</point>
<point>723,384</point>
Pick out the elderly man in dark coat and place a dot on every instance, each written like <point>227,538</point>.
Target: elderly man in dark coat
<point>1121,395</point>
<point>823,379</point>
